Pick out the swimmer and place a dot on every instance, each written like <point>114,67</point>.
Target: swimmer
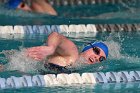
<point>62,52</point>
<point>40,6</point>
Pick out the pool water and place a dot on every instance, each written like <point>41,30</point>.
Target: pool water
<point>124,12</point>
<point>124,47</point>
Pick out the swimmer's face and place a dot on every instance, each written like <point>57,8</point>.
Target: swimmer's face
<point>24,6</point>
<point>94,55</point>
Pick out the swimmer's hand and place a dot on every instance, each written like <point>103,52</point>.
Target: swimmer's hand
<point>39,53</point>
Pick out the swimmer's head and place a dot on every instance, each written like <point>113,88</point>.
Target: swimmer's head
<point>96,51</point>
<point>97,44</point>
<point>13,4</point>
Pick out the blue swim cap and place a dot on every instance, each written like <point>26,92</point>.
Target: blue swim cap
<point>13,4</point>
<point>97,44</point>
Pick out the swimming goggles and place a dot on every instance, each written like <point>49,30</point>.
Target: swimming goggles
<point>97,51</point>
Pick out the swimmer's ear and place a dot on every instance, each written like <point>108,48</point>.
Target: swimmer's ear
<point>22,5</point>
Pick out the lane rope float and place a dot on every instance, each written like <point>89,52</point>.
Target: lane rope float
<point>69,79</point>
<point>68,28</point>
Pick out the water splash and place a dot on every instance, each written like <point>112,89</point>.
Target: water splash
<point>119,57</point>
<point>115,42</point>
<point>19,61</point>
<point>114,50</point>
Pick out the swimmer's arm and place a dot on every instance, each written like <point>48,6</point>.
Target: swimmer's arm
<point>54,40</point>
<point>40,52</point>
<point>43,7</point>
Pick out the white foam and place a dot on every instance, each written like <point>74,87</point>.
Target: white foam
<point>19,61</point>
